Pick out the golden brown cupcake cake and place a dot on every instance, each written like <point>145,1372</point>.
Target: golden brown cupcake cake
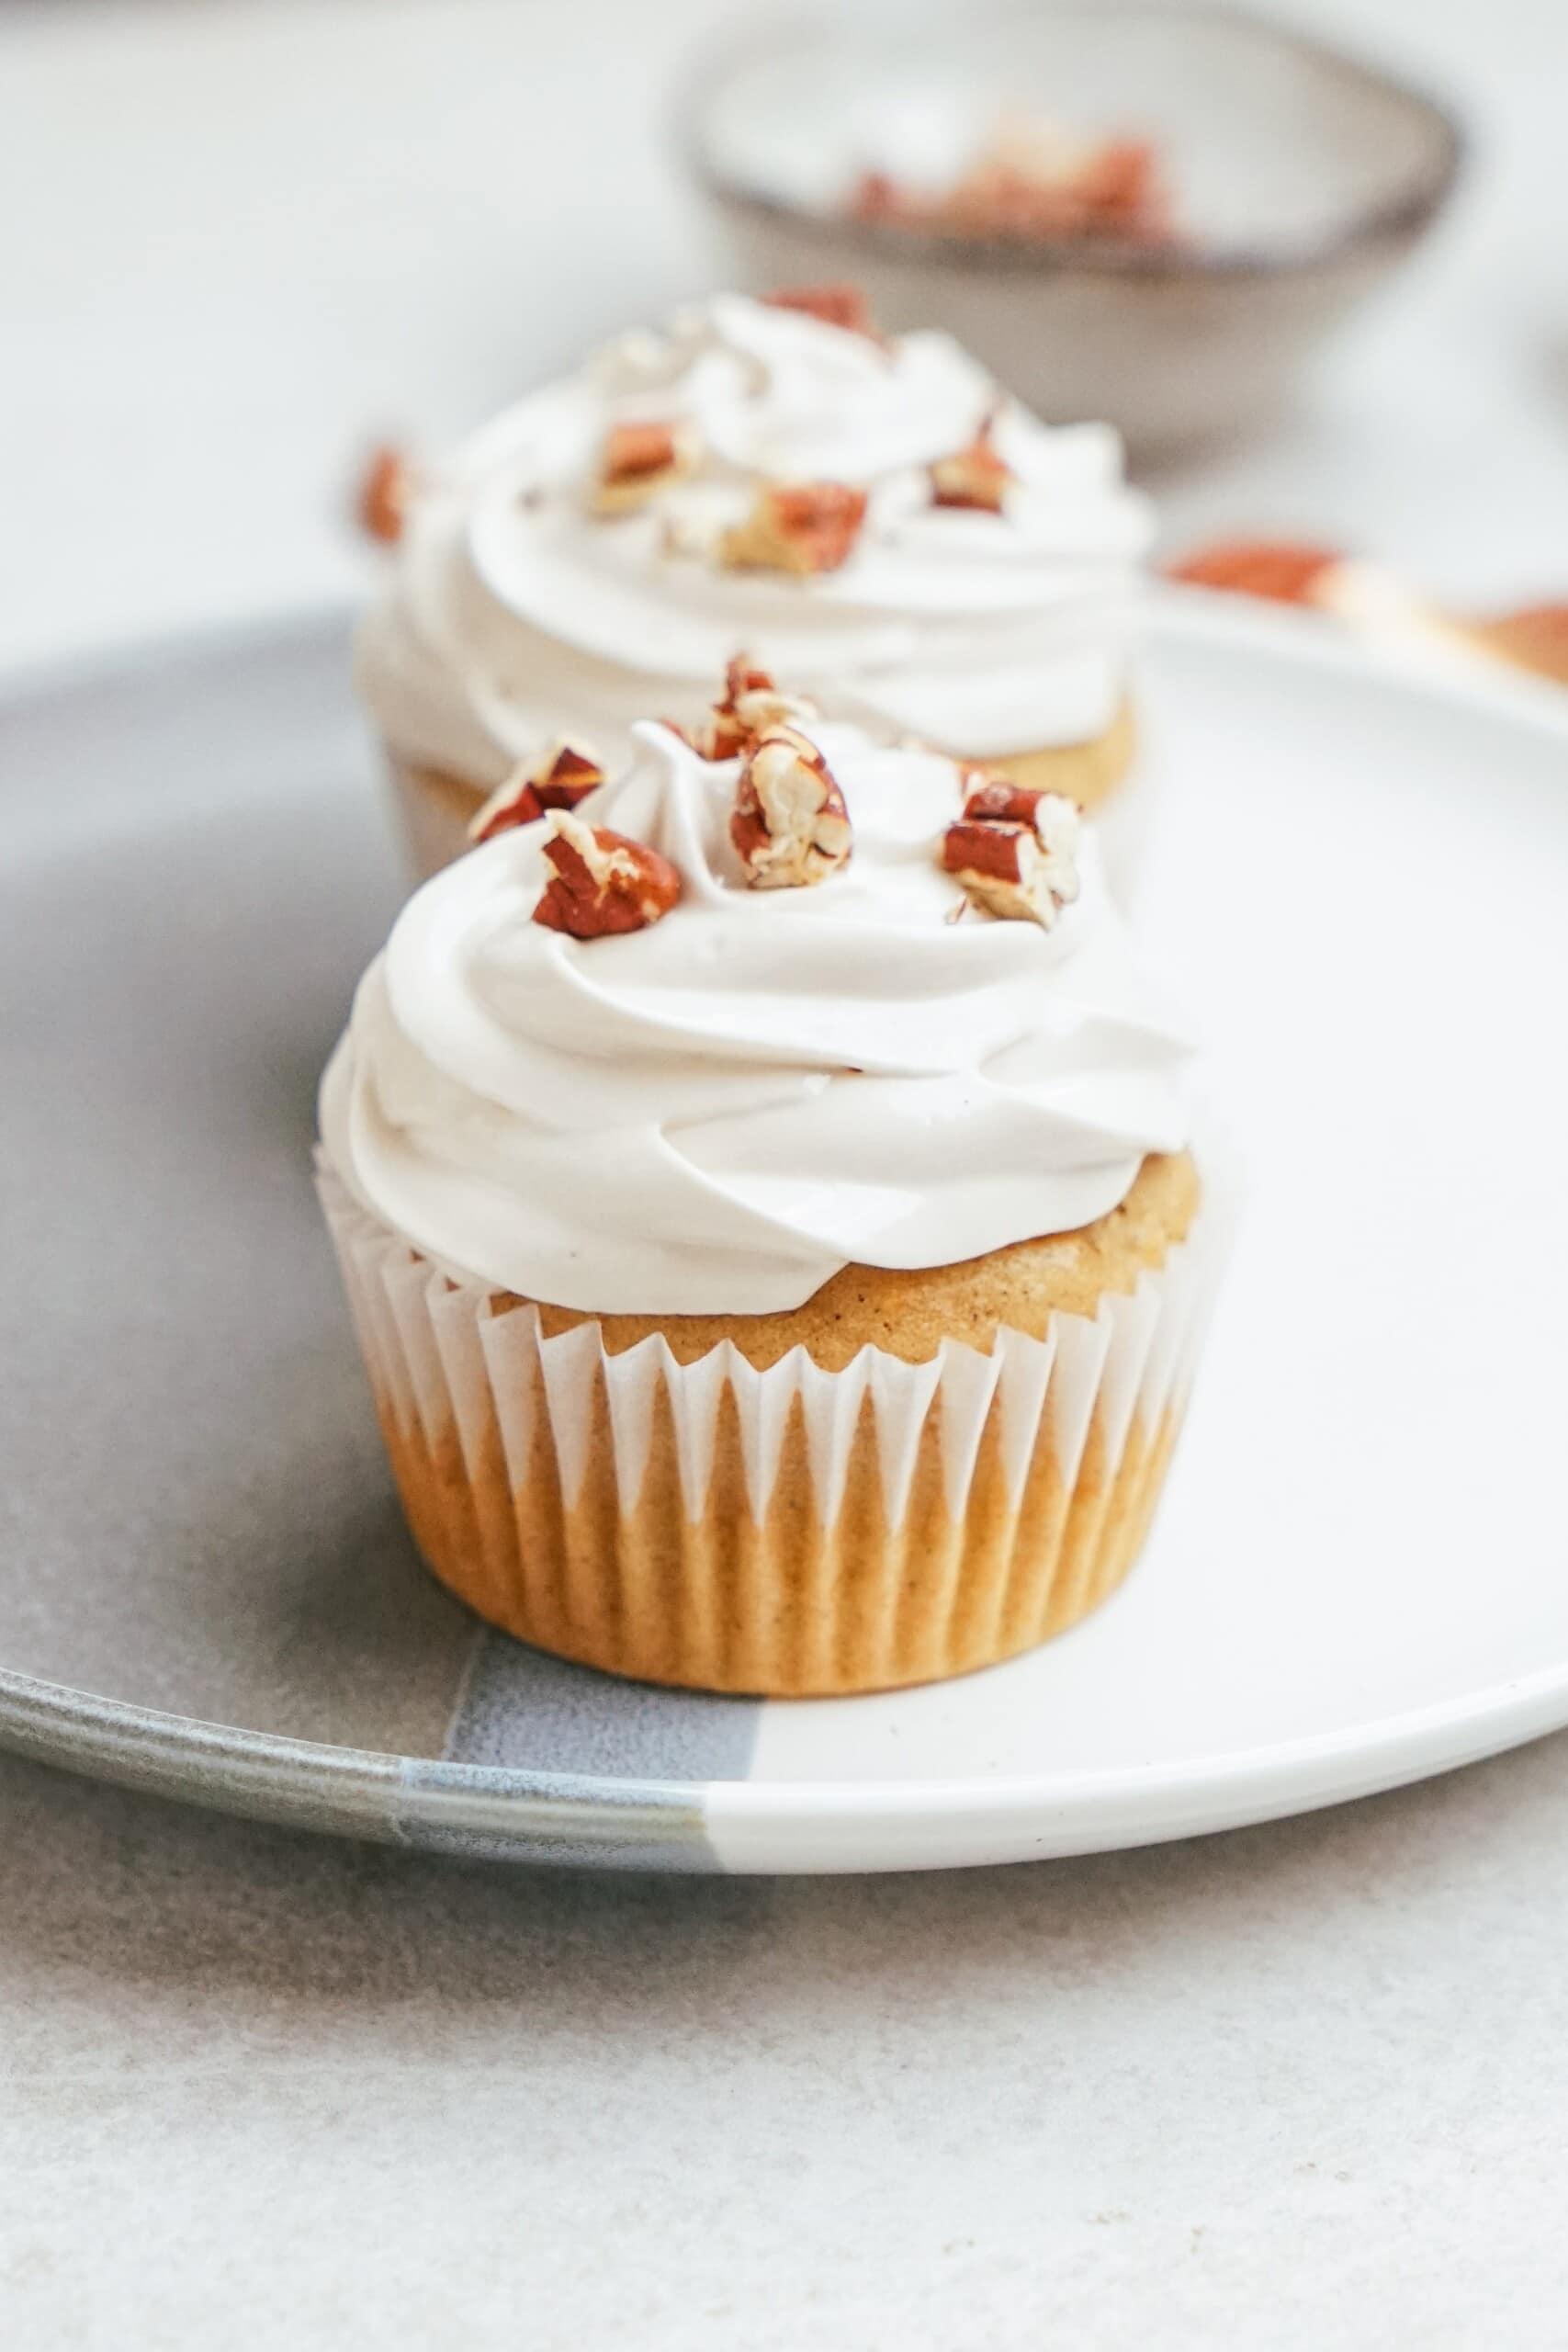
<point>871,516</point>
<point>763,1192</point>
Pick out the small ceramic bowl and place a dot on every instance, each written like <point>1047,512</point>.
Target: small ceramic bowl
<point>1302,177</point>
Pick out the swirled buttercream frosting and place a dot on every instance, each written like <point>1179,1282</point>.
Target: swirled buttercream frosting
<point>714,1114</point>
<point>526,600</point>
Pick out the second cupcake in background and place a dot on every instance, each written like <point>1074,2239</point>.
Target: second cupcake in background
<point>873,518</point>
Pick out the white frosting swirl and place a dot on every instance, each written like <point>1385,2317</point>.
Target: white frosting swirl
<point>714,1114</point>
<point>516,613</point>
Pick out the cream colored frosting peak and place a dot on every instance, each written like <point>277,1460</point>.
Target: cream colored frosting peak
<point>711,1115</point>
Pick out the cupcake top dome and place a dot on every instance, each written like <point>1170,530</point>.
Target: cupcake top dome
<point>871,514</point>
<point>691,1040</point>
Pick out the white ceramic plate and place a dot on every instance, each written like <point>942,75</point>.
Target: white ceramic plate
<point>1359,884</point>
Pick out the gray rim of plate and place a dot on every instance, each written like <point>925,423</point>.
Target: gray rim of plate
<point>490,1812</point>
<point>493,1812</point>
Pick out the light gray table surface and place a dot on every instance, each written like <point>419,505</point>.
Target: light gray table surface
<point>1291,2087</point>
<point>1295,2086</point>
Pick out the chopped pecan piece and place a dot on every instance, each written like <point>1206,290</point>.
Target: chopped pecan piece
<point>1014,852</point>
<point>789,825</point>
<point>382,500</point>
<point>603,883</point>
<point>975,477</point>
<point>558,778</point>
<point>639,461</point>
<point>1286,571</point>
<point>797,526</point>
<point>750,706</point>
<point>743,675</point>
<point>837,305</point>
<point>996,800</point>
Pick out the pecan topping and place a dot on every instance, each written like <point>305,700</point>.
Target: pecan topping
<point>639,461</point>
<point>975,477</point>
<point>996,800</point>
<point>750,706</point>
<point>743,675</point>
<point>789,824</point>
<point>1014,851</point>
<point>797,526</point>
<point>603,883</point>
<point>837,305</point>
<point>381,502</point>
<point>1284,570</point>
<point>558,778</point>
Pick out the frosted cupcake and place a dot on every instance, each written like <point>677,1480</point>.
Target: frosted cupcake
<point>870,518</point>
<point>762,1188</point>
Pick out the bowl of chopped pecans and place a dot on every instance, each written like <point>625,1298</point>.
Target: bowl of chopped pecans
<point>1150,213</point>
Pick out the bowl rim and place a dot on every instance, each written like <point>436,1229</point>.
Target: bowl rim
<point>1403,215</point>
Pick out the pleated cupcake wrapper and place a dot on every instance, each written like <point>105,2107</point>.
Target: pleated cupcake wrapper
<point>640,1452</point>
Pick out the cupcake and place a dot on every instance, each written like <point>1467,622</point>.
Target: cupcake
<point>763,1187</point>
<point>870,518</point>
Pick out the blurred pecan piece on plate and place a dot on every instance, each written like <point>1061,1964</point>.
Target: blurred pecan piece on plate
<point>381,501</point>
<point>1285,572</point>
<point>1535,638</point>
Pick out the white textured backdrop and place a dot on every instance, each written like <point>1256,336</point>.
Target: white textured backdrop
<point>240,237</point>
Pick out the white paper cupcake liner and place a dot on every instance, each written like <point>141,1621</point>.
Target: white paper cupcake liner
<point>780,1530</point>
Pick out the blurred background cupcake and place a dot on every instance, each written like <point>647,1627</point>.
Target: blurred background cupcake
<point>872,517</point>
